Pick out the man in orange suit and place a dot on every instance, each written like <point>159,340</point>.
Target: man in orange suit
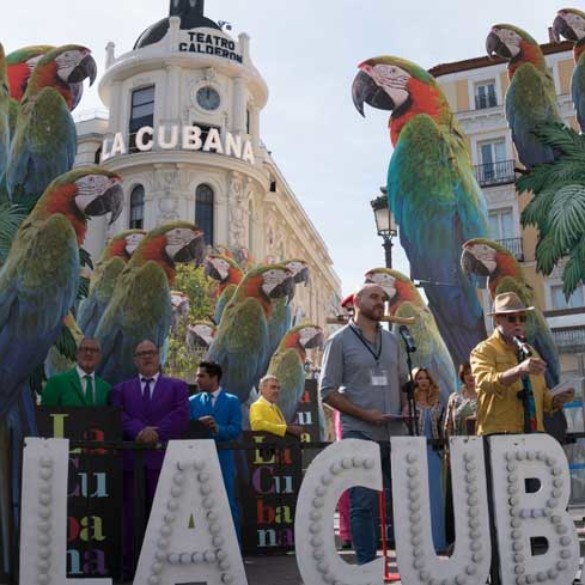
<point>265,414</point>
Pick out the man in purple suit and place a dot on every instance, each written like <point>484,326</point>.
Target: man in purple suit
<point>155,409</point>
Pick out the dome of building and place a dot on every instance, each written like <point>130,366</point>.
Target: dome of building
<point>191,14</point>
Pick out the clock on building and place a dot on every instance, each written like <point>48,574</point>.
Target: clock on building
<point>208,98</point>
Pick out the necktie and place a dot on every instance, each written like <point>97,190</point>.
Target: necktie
<point>146,392</point>
<point>88,390</point>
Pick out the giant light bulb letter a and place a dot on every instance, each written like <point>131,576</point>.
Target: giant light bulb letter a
<point>345,464</point>
<point>522,517</point>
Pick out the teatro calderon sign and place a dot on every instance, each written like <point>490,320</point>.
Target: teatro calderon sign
<point>190,537</point>
<point>191,138</point>
<point>209,41</point>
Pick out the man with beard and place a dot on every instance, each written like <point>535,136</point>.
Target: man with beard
<point>362,377</point>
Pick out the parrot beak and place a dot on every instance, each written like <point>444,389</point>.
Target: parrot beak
<point>471,265</point>
<point>76,94</point>
<point>496,48</point>
<point>365,90</point>
<point>302,276</point>
<point>86,68</point>
<point>285,289</point>
<point>315,341</point>
<point>561,29</point>
<point>110,200</point>
<point>209,270</point>
<point>194,251</point>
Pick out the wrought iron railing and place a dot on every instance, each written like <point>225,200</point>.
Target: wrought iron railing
<point>514,246</point>
<point>496,173</point>
<point>569,339</point>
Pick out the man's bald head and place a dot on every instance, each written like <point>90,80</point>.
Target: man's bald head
<point>369,302</point>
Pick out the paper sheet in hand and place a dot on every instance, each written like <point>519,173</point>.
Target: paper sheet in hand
<point>567,385</point>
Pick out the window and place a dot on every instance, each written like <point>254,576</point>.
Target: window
<point>485,95</point>
<point>97,157</point>
<point>558,298</point>
<point>141,113</point>
<point>493,160</point>
<point>204,199</point>
<point>501,223</point>
<point>137,208</point>
<point>248,118</point>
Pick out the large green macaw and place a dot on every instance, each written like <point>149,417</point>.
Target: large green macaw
<point>20,65</point>
<point>38,285</point>
<point>432,192</point>
<point>45,141</point>
<point>570,24</point>
<point>288,365</point>
<point>431,351</point>
<point>104,278</point>
<point>241,344</point>
<point>531,97</point>
<point>228,275</point>
<point>505,274</point>
<point>140,307</point>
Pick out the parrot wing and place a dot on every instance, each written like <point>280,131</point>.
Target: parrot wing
<point>431,351</point>
<point>43,146</point>
<point>279,323</point>
<point>287,366</point>
<point>37,288</point>
<point>529,103</point>
<point>101,290</point>
<point>578,92</point>
<point>438,206</point>
<point>223,300</point>
<point>140,309</point>
<point>240,346</point>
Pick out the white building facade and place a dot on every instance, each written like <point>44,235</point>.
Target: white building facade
<point>183,131</point>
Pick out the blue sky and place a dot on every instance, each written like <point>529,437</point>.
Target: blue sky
<point>307,51</point>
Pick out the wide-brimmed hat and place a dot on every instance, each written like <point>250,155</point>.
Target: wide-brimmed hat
<point>508,303</point>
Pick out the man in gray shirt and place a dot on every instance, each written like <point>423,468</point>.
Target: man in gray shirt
<point>362,376</point>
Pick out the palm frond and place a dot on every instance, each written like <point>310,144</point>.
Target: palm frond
<point>83,288</point>
<point>66,344</point>
<point>563,138</point>
<point>85,258</point>
<point>573,273</point>
<point>11,216</point>
<point>536,211</point>
<point>547,253</point>
<point>567,215</point>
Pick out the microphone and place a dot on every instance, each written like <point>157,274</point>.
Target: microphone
<point>522,344</point>
<point>407,338</point>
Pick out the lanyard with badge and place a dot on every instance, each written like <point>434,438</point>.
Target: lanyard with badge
<point>378,375</point>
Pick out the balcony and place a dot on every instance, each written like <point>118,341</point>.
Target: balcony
<point>496,173</point>
<point>570,339</point>
<point>514,246</point>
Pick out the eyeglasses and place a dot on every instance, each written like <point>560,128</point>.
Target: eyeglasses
<point>89,349</point>
<point>516,318</point>
<point>146,353</point>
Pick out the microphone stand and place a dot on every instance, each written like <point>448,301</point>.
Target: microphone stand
<point>413,429</point>
<point>526,392</point>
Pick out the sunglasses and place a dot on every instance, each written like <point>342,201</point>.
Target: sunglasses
<point>516,318</point>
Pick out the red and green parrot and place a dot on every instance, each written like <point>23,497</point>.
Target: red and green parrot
<point>570,24</point>
<point>504,273</point>
<point>228,274</point>
<point>281,319</point>
<point>431,351</point>
<point>38,286</point>
<point>432,192</point>
<point>242,343</point>
<point>104,278</point>
<point>140,306</point>
<point>288,365</point>
<point>44,142</point>
<point>531,97</point>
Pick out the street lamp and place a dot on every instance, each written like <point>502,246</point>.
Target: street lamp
<point>384,224</point>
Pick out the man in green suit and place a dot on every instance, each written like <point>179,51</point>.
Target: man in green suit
<point>79,386</point>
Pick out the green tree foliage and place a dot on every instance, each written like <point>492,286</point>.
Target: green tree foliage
<point>182,361</point>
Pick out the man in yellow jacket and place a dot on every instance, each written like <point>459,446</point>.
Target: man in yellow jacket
<point>498,373</point>
<point>265,415</point>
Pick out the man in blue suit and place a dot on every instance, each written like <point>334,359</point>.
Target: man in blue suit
<point>220,414</point>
